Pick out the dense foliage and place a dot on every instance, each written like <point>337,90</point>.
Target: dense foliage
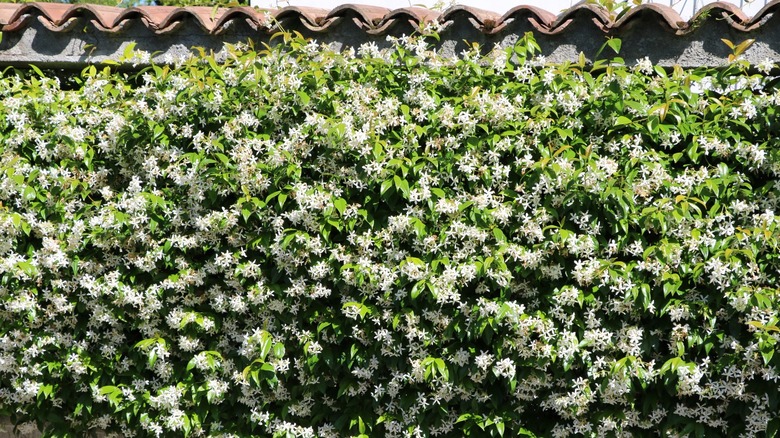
<point>301,242</point>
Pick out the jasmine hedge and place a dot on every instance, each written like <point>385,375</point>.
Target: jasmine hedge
<point>300,242</point>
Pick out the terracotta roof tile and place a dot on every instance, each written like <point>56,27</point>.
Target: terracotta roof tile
<point>374,19</point>
<point>254,18</point>
<point>483,20</point>
<point>370,15</point>
<point>666,15</point>
<point>164,19</point>
<point>767,10</point>
<point>311,18</point>
<point>411,15</point>
<point>539,18</point>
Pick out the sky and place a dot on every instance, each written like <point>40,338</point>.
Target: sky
<point>684,7</point>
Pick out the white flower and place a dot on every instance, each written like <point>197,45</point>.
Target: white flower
<point>314,348</point>
<point>167,398</point>
<point>765,66</point>
<point>175,420</point>
<point>484,360</point>
<point>505,368</point>
<point>644,65</point>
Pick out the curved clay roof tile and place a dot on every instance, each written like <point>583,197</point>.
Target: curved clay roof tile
<point>730,12</point>
<point>541,15</point>
<point>256,19</point>
<point>484,21</point>
<point>365,16</point>
<point>412,15</point>
<point>312,18</point>
<point>765,12</point>
<point>171,18</point>
<point>599,15</point>
<point>59,17</point>
<point>665,14</point>
<point>537,17</point>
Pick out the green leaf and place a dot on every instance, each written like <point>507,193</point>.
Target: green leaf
<point>114,394</point>
<point>45,390</point>
<point>341,205</point>
<point>322,326</point>
<point>672,365</point>
<point>615,44</point>
<point>526,433</point>
<point>37,70</point>
<point>129,51</point>
<point>671,288</point>
<point>772,428</point>
<point>386,184</point>
<point>500,427</point>
<point>29,193</point>
<point>363,310</point>
<point>441,368</point>
<point>265,347</point>
<point>304,97</point>
<point>645,295</point>
<point>767,352</point>
<point>146,343</point>
<point>465,417</point>
<point>152,359</point>
<point>402,185</point>
<point>187,427</point>
<point>278,350</point>
<point>417,289</point>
